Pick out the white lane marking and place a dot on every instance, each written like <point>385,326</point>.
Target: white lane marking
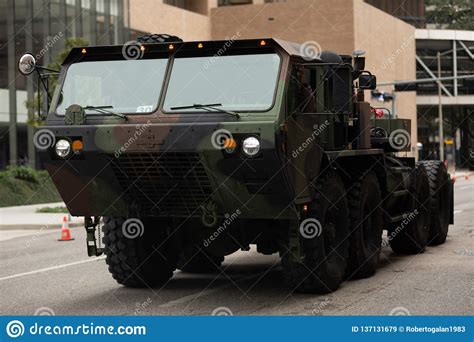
<point>465,187</point>
<point>206,292</point>
<point>51,268</point>
<point>458,211</point>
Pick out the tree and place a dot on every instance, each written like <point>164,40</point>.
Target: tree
<point>450,14</point>
<point>53,79</point>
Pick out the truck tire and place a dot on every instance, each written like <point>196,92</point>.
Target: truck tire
<point>411,234</point>
<point>195,260</point>
<point>323,239</point>
<point>158,38</point>
<point>366,225</point>
<point>440,200</point>
<point>146,260</point>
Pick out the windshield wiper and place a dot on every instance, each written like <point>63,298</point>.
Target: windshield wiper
<point>105,110</point>
<point>211,107</point>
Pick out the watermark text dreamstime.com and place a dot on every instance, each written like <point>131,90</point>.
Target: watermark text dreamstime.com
<point>317,130</point>
<point>228,219</point>
<point>228,43</point>
<point>403,224</point>
<point>138,132</point>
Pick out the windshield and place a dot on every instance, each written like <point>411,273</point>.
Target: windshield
<point>239,83</point>
<point>127,86</point>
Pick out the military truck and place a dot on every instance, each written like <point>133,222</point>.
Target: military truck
<point>180,153</point>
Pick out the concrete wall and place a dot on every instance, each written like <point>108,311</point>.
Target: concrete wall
<point>156,17</point>
<point>328,22</point>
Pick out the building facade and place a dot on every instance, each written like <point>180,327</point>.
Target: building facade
<point>42,27</point>
<point>391,44</point>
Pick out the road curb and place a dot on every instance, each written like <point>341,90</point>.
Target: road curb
<point>37,226</point>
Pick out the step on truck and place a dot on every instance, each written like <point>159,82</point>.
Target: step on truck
<point>180,153</point>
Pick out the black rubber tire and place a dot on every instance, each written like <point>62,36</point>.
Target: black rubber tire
<point>158,38</point>
<point>195,260</point>
<point>145,261</point>
<point>440,200</point>
<point>411,235</point>
<point>366,226</point>
<point>323,261</point>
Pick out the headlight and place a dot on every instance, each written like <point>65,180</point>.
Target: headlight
<point>62,148</point>
<point>251,146</point>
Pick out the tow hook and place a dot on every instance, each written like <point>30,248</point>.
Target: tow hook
<point>91,224</point>
<point>209,214</point>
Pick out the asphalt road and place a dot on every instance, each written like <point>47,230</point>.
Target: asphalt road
<point>39,274</point>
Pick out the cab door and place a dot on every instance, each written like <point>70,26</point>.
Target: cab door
<point>317,105</point>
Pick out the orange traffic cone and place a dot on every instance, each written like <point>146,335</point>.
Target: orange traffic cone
<point>65,231</point>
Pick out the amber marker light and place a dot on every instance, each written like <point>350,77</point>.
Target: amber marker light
<point>263,43</point>
<point>142,48</point>
<point>77,146</point>
<point>170,47</point>
<point>83,51</point>
<point>200,46</point>
<point>305,208</point>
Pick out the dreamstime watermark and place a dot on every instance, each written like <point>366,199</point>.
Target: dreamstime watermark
<point>133,228</point>
<point>15,329</point>
<point>133,50</point>
<point>317,130</point>
<point>399,139</point>
<point>310,50</point>
<point>228,219</point>
<point>220,138</point>
<point>44,311</point>
<point>141,307</point>
<point>140,129</point>
<point>222,311</point>
<point>310,228</point>
<point>44,139</point>
<point>228,43</point>
<point>400,311</point>
<point>321,306</point>
<point>407,218</point>
<point>50,42</point>
<point>34,237</point>
<point>390,59</point>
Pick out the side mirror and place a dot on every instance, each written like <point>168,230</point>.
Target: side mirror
<point>367,81</point>
<point>27,64</point>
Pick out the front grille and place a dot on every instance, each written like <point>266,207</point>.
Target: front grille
<point>163,184</point>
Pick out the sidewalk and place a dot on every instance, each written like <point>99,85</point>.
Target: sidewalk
<point>463,174</point>
<point>25,217</point>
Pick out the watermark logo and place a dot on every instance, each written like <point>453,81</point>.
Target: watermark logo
<point>310,50</point>
<point>399,139</point>
<point>400,311</point>
<point>222,311</point>
<point>44,311</point>
<point>15,329</point>
<point>220,137</point>
<point>310,228</point>
<point>133,228</point>
<point>44,139</point>
<point>133,50</point>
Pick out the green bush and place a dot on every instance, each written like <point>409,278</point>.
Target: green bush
<point>21,185</point>
<point>23,173</point>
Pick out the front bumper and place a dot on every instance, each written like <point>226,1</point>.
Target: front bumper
<point>170,171</point>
